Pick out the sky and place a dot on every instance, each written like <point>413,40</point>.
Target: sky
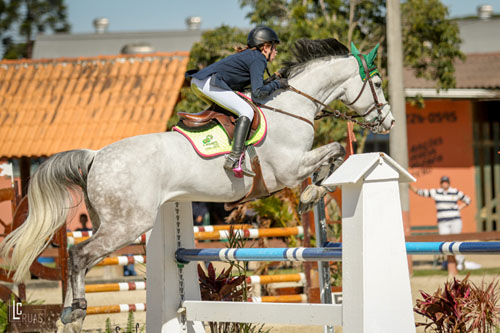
<point>150,15</point>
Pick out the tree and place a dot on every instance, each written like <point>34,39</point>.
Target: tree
<point>430,41</point>
<point>25,18</point>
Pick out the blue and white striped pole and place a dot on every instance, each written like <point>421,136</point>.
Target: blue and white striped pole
<point>448,248</point>
<point>265,254</point>
<point>331,252</point>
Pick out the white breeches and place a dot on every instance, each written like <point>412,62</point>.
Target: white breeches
<point>227,99</point>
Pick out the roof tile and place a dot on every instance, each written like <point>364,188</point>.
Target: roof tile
<point>52,105</point>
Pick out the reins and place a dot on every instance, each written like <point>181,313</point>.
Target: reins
<point>286,113</point>
<point>328,111</point>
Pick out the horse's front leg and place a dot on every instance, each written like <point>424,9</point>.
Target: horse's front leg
<point>324,156</point>
<point>322,160</point>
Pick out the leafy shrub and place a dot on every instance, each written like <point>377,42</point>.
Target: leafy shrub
<point>461,306</point>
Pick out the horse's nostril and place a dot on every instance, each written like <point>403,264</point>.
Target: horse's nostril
<point>393,123</point>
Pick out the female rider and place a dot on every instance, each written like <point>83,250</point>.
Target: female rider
<point>217,83</point>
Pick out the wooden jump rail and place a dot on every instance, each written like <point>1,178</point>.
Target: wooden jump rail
<point>122,261</point>
<point>117,308</point>
<point>207,228</point>
<point>120,286</point>
<point>267,279</point>
<point>250,233</point>
<point>141,285</point>
<point>299,298</point>
<point>217,233</point>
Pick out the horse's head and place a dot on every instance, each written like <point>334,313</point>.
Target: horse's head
<point>364,93</point>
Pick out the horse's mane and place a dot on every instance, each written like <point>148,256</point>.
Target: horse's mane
<point>305,50</point>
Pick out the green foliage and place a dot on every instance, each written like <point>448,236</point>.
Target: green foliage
<point>273,209</point>
<point>215,45</point>
<point>431,41</point>
<point>108,328</point>
<point>461,307</point>
<point>26,18</point>
<point>130,323</point>
<point>4,317</point>
<point>226,287</point>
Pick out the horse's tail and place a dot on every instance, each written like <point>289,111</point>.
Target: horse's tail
<point>49,199</point>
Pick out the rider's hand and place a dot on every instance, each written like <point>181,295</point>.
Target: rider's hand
<point>271,78</point>
<point>283,83</point>
<point>280,73</point>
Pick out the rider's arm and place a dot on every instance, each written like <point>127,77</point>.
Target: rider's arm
<point>259,89</point>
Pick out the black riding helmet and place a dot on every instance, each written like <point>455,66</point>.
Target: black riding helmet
<point>260,35</point>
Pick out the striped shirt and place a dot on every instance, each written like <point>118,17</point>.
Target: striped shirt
<point>446,202</point>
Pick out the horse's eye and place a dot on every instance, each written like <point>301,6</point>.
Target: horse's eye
<point>378,84</point>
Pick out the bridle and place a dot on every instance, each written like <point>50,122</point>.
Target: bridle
<point>328,111</point>
<point>377,105</point>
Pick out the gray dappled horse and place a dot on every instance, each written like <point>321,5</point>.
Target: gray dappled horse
<point>126,182</point>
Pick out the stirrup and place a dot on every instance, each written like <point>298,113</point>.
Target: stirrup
<point>238,168</point>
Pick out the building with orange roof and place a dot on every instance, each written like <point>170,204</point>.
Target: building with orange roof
<point>53,105</point>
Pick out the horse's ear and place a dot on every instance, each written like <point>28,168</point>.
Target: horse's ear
<point>354,50</point>
<point>373,54</point>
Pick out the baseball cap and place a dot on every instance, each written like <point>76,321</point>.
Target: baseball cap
<point>444,179</point>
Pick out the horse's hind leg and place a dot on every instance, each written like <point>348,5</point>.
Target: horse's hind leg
<point>108,238</point>
<point>68,298</point>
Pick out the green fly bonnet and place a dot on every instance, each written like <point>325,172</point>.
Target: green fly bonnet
<point>370,61</point>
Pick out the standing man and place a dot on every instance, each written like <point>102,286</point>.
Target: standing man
<point>448,210</point>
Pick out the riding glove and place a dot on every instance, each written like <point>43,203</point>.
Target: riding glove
<point>283,83</point>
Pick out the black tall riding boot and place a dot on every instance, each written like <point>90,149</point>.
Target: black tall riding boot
<point>238,150</point>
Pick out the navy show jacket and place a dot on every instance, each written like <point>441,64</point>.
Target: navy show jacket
<point>237,71</point>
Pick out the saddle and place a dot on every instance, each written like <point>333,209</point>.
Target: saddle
<point>216,113</point>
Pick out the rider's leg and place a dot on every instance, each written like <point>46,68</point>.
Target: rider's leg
<point>231,102</point>
<point>238,149</point>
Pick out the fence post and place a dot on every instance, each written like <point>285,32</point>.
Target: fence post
<point>375,282</point>
<point>163,299</point>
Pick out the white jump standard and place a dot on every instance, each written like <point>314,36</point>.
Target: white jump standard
<point>376,284</point>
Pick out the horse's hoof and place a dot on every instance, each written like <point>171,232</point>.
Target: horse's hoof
<point>309,194</point>
<point>72,319</point>
<point>75,327</point>
<point>66,315</point>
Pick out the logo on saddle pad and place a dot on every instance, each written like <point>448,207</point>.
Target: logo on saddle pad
<point>213,140</point>
<point>209,142</point>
